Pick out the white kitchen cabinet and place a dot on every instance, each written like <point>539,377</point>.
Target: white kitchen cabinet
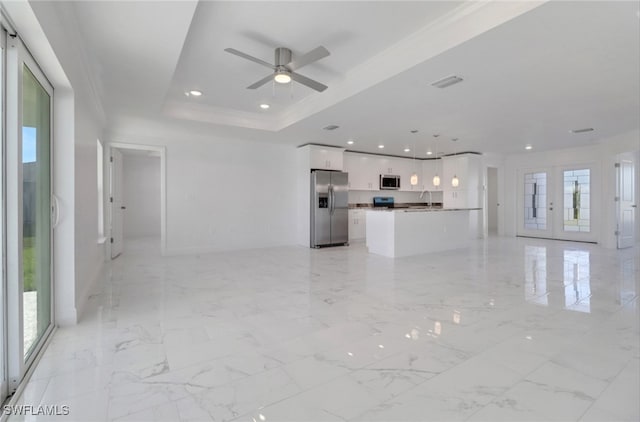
<point>388,165</point>
<point>326,158</point>
<point>357,224</point>
<point>429,169</point>
<point>468,192</point>
<point>407,167</point>
<point>363,171</point>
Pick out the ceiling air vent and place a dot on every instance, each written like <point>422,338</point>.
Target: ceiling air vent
<point>443,83</point>
<point>586,129</point>
<point>331,127</point>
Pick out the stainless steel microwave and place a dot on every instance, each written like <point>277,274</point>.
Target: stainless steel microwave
<point>389,182</point>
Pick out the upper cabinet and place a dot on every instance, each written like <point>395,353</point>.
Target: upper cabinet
<point>467,169</point>
<point>406,168</point>
<point>325,158</point>
<point>431,168</point>
<point>363,171</point>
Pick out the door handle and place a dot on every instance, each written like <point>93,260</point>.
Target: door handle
<point>123,208</point>
<point>550,208</point>
<point>333,200</point>
<point>634,206</point>
<point>56,211</point>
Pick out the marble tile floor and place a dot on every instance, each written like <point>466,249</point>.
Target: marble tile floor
<point>511,329</point>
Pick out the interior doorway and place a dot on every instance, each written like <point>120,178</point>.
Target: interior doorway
<point>625,201</point>
<point>136,198</point>
<point>492,201</point>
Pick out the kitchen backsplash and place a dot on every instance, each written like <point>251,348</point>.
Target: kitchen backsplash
<point>365,196</point>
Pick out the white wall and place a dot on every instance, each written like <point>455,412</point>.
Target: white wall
<point>141,196</point>
<point>603,155</point>
<point>78,122</point>
<point>222,194</point>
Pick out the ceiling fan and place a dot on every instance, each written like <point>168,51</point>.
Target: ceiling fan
<point>283,69</point>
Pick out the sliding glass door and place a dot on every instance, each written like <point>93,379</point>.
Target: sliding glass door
<point>4,391</point>
<point>36,205</point>
<point>27,207</point>
<point>557,203</point>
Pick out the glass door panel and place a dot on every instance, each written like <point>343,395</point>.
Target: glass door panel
<point>535,203</point>
<point>576,200</point>
<point>36,209</point>
<point>577,189</point>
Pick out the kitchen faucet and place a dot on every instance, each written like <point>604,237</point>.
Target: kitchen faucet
<point>430,197</point>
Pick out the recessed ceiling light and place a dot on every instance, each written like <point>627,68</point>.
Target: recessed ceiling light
<point>195,93</point>
<point>586,129</point>
<point>448,81</point>
<point>429,152</point>
<point>407,150</point>
<point>380,146</point>
<point>350,141</point>
<point>264,106</point>
<point>528,147</point>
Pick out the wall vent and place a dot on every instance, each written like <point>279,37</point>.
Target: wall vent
<point>586,129</point>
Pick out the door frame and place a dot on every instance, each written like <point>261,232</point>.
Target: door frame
<point>17,56</point>
<point>163,187</point>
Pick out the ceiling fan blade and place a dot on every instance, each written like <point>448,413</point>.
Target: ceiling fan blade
<point>261,82</point>
<point>312,56</point>
<point>248,57</point>
<point>308,82</point>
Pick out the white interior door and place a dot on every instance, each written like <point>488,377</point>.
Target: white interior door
<point>625,196</point>
<point>115,202</point>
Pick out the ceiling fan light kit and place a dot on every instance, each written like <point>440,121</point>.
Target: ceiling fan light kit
<point>282,77</point>
<point>285,66</point>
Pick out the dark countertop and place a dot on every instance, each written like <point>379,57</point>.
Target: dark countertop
<point>398,205</point>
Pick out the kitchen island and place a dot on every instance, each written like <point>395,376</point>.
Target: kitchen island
<point>404,232</point>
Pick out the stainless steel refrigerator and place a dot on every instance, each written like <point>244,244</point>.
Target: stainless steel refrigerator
<point>329,208</point>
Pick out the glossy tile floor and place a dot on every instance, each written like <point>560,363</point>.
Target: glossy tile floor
<point>512,329</point>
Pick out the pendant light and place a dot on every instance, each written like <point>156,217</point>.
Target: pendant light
<point>414,176</point>
<point>455,182</point>
<point>436,178</point>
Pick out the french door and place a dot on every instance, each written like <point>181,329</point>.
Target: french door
<point>558,202</point>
